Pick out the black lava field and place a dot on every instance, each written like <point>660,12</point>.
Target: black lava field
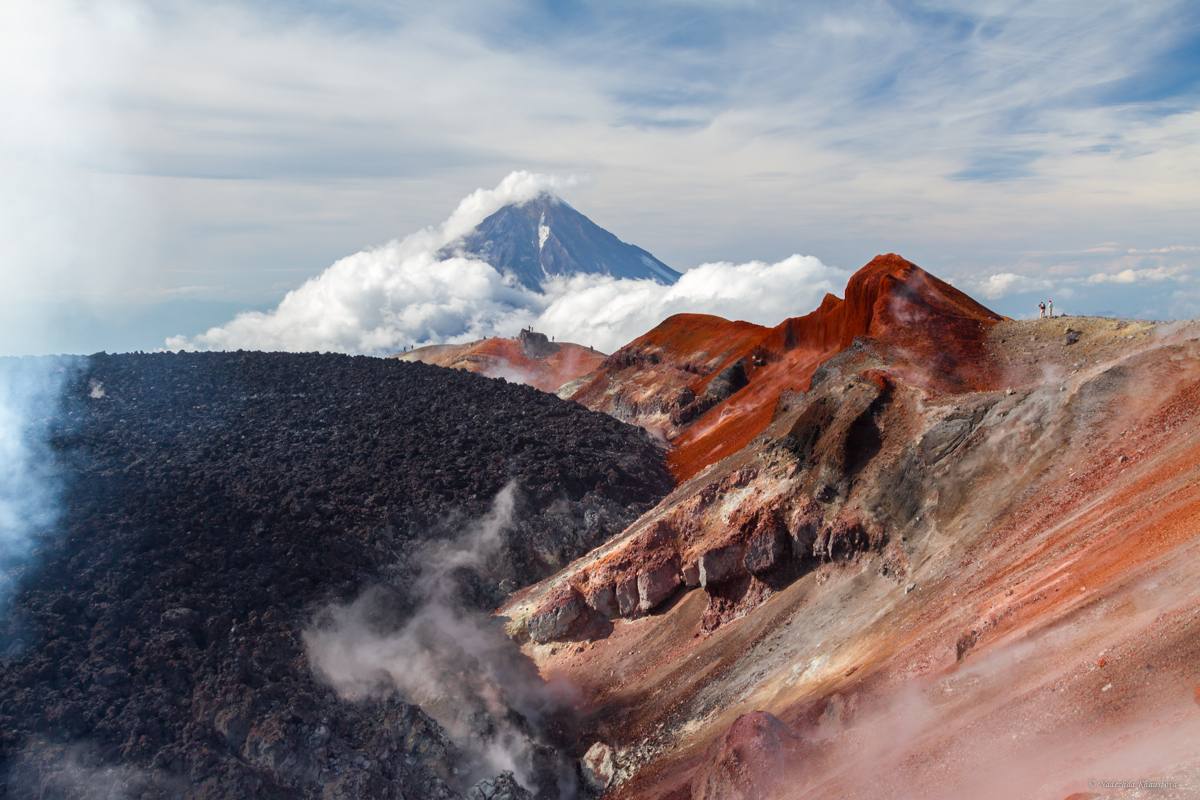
<point>211,503</point>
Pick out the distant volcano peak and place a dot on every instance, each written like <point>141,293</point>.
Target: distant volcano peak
<point>545,237</point>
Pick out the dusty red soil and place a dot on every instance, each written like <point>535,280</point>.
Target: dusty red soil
<point>506,358</point>
<point>988,588</point>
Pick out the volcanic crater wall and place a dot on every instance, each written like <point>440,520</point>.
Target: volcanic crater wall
<point>213,501</point>
<point>838,474</point>
<point>893,534</point>
<point>710,385</point>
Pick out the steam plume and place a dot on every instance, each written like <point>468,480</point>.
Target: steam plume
<point>29,480</point>
<point>75,772</point>
<point>454,662</point>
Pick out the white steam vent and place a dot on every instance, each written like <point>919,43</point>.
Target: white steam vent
<point>29,476</point>
<point>456,663</point>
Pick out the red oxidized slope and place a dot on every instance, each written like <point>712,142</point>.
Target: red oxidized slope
<point>560,363</point>
<point>933,332</point>
<point>904,590</point>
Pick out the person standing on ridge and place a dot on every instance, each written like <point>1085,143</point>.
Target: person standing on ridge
<point>1050,309</point>
<point>1041,310</point>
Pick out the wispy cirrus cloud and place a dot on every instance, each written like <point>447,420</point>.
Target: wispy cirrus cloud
<point>236,138</point>
<point>1171,249</point>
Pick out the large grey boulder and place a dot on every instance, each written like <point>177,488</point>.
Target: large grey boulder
<point>598,767</point>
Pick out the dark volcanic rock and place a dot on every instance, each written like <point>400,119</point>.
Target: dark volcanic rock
<point>535,345</point>
<point>563,610</point>
<point>766,550</point>
<point>721,563</point>
<point>212,502</point>
<point>657,584</point>
<point>727,382</point>
<point>501,787</point>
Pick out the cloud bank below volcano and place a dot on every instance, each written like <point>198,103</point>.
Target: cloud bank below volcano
<point>403,294</point>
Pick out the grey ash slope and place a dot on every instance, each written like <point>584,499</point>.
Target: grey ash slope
<point>545,238</point>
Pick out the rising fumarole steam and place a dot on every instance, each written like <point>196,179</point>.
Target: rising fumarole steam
<point>454,662</point>
<point>29,477</point>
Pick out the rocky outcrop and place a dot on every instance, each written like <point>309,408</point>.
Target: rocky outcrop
<point>721,564</point>
<point>601,598</point>
<point>627,596</point>
<point>598,767</point>
<point>536,345</point>
<point>502,787</point>
<point>804,526</point>
<point>843,473</point>
<point>560,615</point>
<point>766,551</point>
<point>727,382</point>
<point>656,583</point>
<point>844,537</point>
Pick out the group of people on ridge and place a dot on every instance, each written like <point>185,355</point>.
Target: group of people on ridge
<point>1044,307</point>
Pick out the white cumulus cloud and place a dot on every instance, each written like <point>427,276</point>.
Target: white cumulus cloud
<point>1008,283</point>
<point>1133,276</point>
<point>381,300</point>
<point>607,313</point>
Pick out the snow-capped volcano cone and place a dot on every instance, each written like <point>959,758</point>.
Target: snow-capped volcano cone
<point>545,237</point>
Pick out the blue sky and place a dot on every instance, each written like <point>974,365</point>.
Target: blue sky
<point>167,162</point>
